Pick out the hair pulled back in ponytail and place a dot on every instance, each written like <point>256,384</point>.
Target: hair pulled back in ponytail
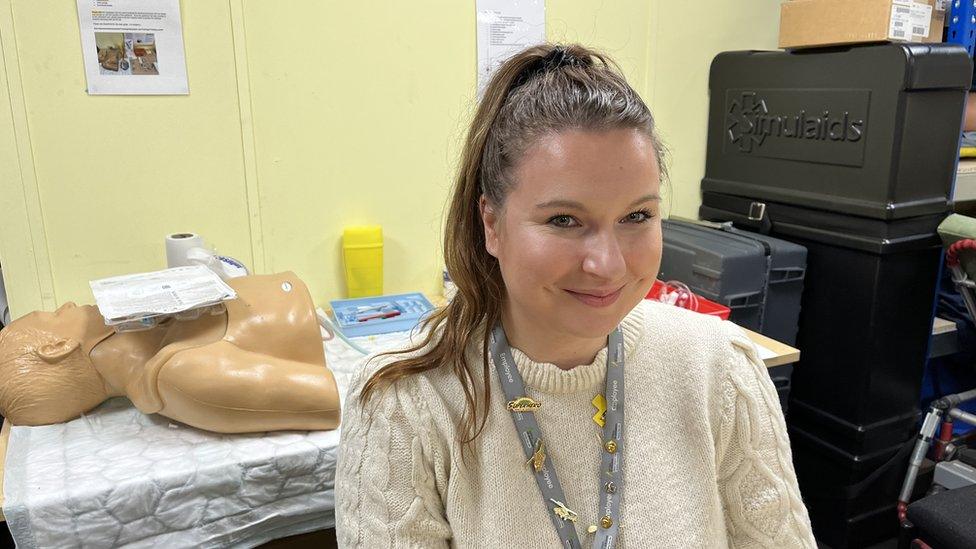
<point>544,89</point>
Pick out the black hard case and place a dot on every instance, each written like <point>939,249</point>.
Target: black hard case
<point>870,130</point>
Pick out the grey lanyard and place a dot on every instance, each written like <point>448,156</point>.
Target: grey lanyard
<point>611,467</point>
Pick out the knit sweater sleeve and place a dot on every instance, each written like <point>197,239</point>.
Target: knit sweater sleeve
<point>386,478</point>
<point>757,482</point>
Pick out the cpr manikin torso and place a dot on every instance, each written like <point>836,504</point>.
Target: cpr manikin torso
<point>259,367</point>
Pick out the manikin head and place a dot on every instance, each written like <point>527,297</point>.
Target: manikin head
<point>46,375</point>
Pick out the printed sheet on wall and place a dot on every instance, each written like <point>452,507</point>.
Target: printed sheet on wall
<point>133,47</point>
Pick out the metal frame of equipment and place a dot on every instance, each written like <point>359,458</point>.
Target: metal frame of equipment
<point>962,24</point>
<point>944,410</point>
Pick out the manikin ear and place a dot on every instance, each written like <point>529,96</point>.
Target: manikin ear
<point>52,353</point>
<point>489,219</point>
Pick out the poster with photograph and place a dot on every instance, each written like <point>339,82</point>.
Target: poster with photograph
<point>133,47</point>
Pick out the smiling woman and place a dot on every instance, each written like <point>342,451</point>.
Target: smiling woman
<point>484,433</point>
<point>578,241</point>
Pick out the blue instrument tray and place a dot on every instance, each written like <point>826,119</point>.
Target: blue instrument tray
<point>364,316</point>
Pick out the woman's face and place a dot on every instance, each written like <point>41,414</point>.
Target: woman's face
<point>578,239</point>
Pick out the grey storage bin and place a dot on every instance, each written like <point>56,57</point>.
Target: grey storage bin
<point>758,277</point>
<point>785,269</point>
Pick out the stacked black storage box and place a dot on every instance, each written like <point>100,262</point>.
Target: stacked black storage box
<point>850,153</point>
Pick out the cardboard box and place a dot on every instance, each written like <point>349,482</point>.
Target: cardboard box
<point>813,23</point>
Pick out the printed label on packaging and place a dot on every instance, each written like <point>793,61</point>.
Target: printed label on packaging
<point>900,27</point>
<point>921,19</point>
<point>909,20</point>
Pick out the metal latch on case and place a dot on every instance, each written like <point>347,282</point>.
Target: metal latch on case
<point>757,211</point>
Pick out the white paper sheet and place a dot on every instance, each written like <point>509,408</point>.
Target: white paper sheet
<point>159,293</point>
<point>764,353</point>
<point>506,27</point>
<point>133,47</point>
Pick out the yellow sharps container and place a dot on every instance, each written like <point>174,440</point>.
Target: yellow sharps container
<point>362,256</point>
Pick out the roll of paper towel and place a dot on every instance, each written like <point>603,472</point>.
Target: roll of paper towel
<point>178,246</point>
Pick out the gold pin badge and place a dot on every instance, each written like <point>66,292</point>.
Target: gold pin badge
<point>611,446</point>
<point>564,512</point>
<point>523,404</point>
<point>538,458</point>
<point>606,522</point>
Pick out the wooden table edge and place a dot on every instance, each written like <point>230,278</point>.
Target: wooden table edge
<point>784,353</point>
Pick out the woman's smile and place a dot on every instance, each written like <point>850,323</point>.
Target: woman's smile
<point>597,297</point>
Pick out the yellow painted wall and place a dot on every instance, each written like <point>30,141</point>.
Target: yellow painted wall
<point>111,175</point>
<point>686,37</point>
<point>303,117</point>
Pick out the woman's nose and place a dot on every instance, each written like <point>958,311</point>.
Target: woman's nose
<point>603,257</point>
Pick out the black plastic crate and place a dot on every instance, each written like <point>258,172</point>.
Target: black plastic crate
<point>849,508</point>
<point>782,378</point>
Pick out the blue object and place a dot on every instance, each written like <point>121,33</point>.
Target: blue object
<point>411,309</point>
<point>962,24</point>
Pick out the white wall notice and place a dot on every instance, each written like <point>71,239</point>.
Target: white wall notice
<point>133,47</point>
<point>506,27</point>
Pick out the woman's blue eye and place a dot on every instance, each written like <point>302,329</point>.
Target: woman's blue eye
<point>639,216</point>
<point>562,220</point>
<point>567,221</point>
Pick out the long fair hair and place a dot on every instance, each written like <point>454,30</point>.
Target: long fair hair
<point>542,90</point>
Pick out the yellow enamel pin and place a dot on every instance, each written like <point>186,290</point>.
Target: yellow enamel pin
<point>601,410</point>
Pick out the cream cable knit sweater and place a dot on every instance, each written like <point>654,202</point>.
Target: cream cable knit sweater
<point>707,461</point>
